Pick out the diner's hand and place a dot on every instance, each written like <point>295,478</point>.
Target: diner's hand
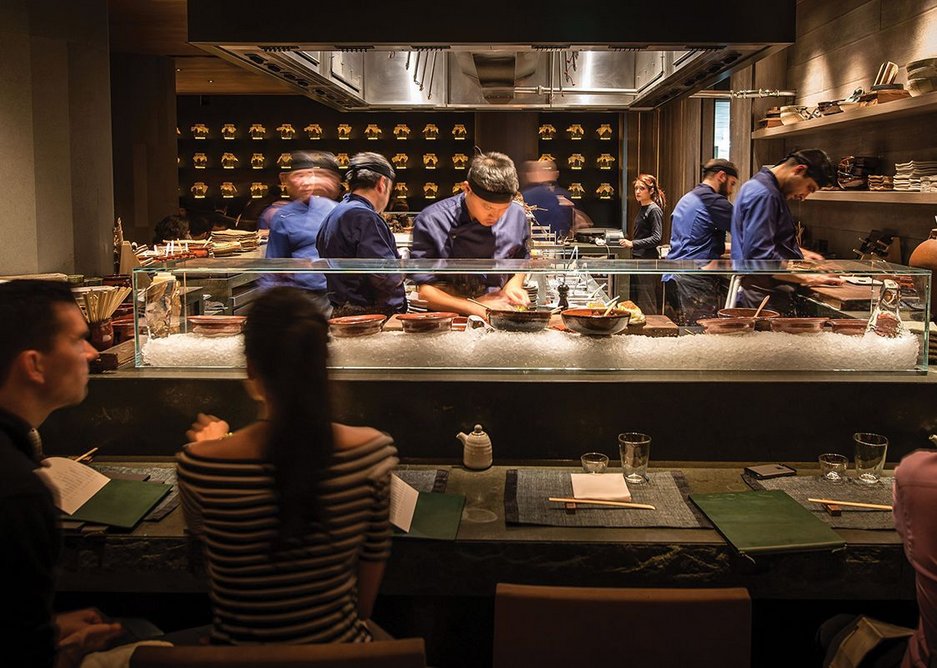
<point>627,243</point>
<point>207,428</point>
<point>75,620</point>
<point>91,638</point>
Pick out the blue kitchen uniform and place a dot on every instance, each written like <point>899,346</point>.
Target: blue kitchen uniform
<point>549,211</point>
<point>698,225</point>
<point>293,231</point>
<point>445,230</point>
<point>353,229</point>
<point>762,224</point>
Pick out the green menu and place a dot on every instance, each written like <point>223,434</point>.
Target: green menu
<point>436,516</point>
<point>766,522</point>
<point>121,503</point>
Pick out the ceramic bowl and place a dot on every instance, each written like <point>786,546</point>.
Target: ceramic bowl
<point>761,324</point>
<point>425,323</point>
<point>357,325</point>
<point>848,326</point>
<point>922,86</point>
<point>797,325</point>
<point>727,325</point>
<point>216,325</point>
<point>519,321</point>
<point>593,322</point>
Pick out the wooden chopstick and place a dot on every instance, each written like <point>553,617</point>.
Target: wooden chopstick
<point>597,502</point>
<point>87,455</point>
<point>852,504</point>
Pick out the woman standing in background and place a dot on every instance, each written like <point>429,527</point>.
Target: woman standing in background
<point>648,228</point>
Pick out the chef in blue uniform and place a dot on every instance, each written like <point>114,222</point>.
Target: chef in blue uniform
<point>355,229</point>
<point>482,222</point>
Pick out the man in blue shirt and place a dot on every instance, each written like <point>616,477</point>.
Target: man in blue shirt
<point>698,232</point>
<point>763,226</point>
<point>552,205</point>
<point>483,222</point>
<point>355,229</point>
<point>313,183</point>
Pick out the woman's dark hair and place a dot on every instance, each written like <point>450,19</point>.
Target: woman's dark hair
<point>171,227</point>
<point>285,342</point>
<point>657,195</point>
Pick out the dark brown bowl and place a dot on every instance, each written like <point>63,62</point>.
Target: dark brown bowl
<point>519,321</point>
<point>217,325</point>
<point>761,324</point>
<point>357,325</point>
<point>797,325</point>
<point>594,322</point>
<point>727,325</point>
<point>848,326</point>
<point>425,323</point>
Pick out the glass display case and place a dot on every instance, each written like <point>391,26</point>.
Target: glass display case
<point>585,315</point>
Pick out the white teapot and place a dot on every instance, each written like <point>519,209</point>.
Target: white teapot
<point>476,453</point>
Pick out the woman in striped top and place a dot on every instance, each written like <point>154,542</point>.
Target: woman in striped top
<point>292,509</point>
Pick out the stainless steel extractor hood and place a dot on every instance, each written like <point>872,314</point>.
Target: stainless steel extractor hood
<point>488,55</point>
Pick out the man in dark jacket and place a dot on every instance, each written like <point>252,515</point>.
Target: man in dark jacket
<point>44,355</point>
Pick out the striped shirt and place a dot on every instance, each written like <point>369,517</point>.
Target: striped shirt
<point>307,594</point>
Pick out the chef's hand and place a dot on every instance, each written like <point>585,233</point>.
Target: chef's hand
<point>814,280</point>
<point>207,428</point>
<point>627,243</point>
<point>811,255</point>
<point>515,294</point>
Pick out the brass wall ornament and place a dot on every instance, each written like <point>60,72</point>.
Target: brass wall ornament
<point>257,131</point>
<point>576,161</point>
<point>313,131</point>
<point>286,130</point>
<point>605,161</point>
<point>200,131</point>
<point>400,161</point>
<point>547,132</point>
<point>576,132</point>
<point>459,160</point>
<point>457,187</point>
<point>430,160</point>
<point>199,189</point>
<point>430,190</point>
<point>344,131</point>
<point>430,131</point>
<point>229,131</point>
<point>605,191</point>
<point>259,190</point>
<point>459,132</point>
<point>284,194</point>
<point>228,190</point>
<point>228,160</point>
<point>285,161</point>
<point>401,131</point>
<point>343,160</point>
<point>257,160</point>
<point>401,191</point>
<point>545,157</point>
<point>604,132</point>
<point>576,191</point>
<point>373,132</point>
<point>200,161</point>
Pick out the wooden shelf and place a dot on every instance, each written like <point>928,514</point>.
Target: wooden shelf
<point>912,106</point>
<point>873,197</point>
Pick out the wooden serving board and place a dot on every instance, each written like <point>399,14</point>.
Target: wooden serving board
<point>847,297</point>
<point>114,358</point>
<point>656,325</point>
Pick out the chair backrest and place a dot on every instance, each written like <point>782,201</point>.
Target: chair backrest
<point>406,653</point>
<point>597,627</point>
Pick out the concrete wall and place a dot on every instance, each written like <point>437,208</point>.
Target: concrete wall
<point>55,137</point>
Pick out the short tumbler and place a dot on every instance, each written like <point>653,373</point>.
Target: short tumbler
<point>870,457</point>
<point>833,468</point>
<point>635,452</point>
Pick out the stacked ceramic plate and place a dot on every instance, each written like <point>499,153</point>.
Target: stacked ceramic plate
<point>922,76</point>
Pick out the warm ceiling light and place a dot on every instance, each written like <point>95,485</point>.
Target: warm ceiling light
<point>211,81</point>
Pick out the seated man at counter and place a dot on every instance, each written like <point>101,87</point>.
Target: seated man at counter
<point>483,222</point>
<point>43,367</point>
<point>355,229</point>
<point>313,185</point>
<point>763,226</point>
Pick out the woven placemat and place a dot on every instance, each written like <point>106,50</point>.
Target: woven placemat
<point>803,487</point>
<point>526,492</point>
<point>163,474</point>
<point>425,480</point>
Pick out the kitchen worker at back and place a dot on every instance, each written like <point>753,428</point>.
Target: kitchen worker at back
<point>482,222</point>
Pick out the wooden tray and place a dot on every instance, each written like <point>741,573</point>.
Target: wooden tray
<point>847,297</point>
<point>656,325</point>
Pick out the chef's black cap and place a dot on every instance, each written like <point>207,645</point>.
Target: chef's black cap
<point>313,160</point>
<point>720,165</point>
<point>819,166</point>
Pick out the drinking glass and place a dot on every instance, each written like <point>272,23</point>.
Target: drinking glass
<point>594,462</point>
<point>870,456</point>
<point>635,450</point>
<point>833,468</point>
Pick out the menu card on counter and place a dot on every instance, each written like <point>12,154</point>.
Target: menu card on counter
<point>424,514</point>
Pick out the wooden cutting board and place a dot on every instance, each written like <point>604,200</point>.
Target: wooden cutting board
<point>847,297</point>
<point>656,325</point>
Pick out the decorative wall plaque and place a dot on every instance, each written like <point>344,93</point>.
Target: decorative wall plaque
<point>343,160</point>
<point>228,160</point>
<point>199,190</point>
<point>430,160</point>
<point>545,157</point>
<point>401,191</point>
<point>401,131</point>
<point>576,161</point>
<point>576,191</point>
<point>313,131</point>
<point>546,132</point>
<point>200,161</point>
<point>604,132</point>
<point>344,131</point>
<point>228,190</point>
<point>257,131</point>
<point>575,131</point>
<point>286,130</point>
<point>259,190</point>
<point>372,131</point>
<point>200,131</point>
<point>430,190</point>
<point>400,161</point>
<point>605,161</point>
<point>459,132</point>
<point>283,193</point>
<point>459,160</point>
<point>229,131</point>
<point>285,161</point>
<point>605,191</point>
<point>257,160</point>
<point>457,188</point>
<point>430,131</point>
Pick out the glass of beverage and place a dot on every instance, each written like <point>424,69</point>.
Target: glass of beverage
<point>870,456</point>
<point>833,468</point>
<point>635,450</point>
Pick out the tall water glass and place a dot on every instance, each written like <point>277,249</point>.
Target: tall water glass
<point>870,456</point>
<point>635,450</point>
